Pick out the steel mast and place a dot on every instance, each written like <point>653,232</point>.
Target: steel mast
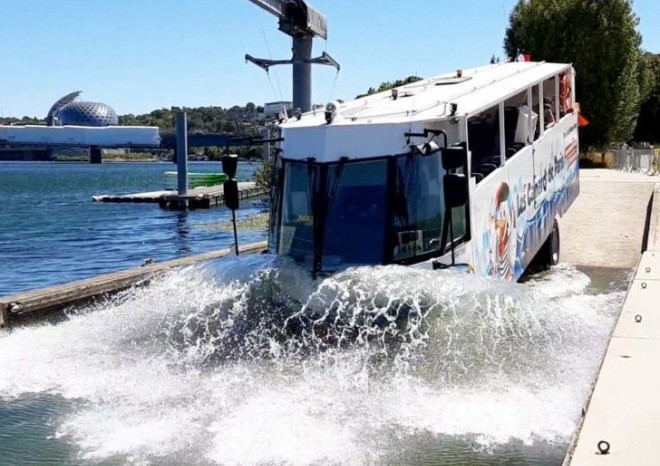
<point>300,21</point>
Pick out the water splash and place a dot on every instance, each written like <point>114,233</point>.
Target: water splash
<point>247,361</point>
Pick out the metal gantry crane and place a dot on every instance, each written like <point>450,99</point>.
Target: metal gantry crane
<point>300,21</point>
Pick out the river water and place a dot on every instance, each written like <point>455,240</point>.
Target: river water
<point>247,361</point>
<point>52,232</point>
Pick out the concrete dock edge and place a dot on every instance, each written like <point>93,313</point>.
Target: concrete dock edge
<point>43,301</point>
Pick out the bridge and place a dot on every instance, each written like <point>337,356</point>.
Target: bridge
<point>33,142</point>
<point>42,140</point>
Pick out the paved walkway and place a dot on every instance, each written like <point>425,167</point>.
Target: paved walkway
<point>612,207</point>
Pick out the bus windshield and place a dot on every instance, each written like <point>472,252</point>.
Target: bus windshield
<point>356,216</point>
<point>347,203</point>
<point>329,216</point>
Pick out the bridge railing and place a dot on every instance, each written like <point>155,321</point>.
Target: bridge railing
<point>646,160</point>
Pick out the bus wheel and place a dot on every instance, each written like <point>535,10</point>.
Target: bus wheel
<point>555,248</point>
<point>552,246</point>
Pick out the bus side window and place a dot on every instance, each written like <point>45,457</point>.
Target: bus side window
<point>514,140</point>
<point>550,117</point>
<point>565,94</point>
<point>484,142</point>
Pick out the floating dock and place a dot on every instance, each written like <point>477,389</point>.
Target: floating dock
<point>197,198</point>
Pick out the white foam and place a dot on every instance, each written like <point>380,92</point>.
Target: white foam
<point>498,362</point>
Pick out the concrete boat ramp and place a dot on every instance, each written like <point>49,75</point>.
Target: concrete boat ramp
<point>197,198</point>
<point>615,222</point>
<point>622,420</point>
<point>605,225</point>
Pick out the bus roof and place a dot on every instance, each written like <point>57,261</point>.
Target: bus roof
<point>375,125</point>
<point>429,99</point>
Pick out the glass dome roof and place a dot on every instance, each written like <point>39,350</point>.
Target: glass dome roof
<point>86,114</point>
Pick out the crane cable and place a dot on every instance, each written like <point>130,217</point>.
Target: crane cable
<point>277,81</point>
<point>334,82</point>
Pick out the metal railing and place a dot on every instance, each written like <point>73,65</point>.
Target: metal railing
<point>646,161</point>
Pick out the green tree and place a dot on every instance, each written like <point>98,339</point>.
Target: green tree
<point>263,174</point>
<point>648,123</point>
<point>387,85</point>
<point>601,40</point>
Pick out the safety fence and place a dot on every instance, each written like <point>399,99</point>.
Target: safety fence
<point>646,161</point>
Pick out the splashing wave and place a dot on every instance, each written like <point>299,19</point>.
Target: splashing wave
<point>247,361</point>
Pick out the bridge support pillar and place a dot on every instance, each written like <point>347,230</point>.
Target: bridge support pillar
<point>302,73</point>
<point>95,154</point>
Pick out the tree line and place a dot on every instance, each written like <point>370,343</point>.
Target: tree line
<point>617,84</point>
<point>234,121</point>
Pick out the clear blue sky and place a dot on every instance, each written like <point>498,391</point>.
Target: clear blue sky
<point>139,55</point>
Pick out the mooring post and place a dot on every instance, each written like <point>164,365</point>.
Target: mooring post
<point>182,154</point>
<point>4,315</point>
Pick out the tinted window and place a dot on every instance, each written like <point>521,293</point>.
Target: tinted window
<point>418,206</point>
<point>356,213</point>
<point>296,230</point>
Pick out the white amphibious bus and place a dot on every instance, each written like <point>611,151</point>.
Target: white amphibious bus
<point>472,167</point>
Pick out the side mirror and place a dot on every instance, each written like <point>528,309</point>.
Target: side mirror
<point>456,190</point>
<point>229,167</point>
<point>454,157</point>
<point>231,194</point>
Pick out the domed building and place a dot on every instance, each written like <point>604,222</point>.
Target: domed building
<point>68,111</point>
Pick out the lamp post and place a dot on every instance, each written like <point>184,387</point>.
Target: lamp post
<point>230,187</point>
